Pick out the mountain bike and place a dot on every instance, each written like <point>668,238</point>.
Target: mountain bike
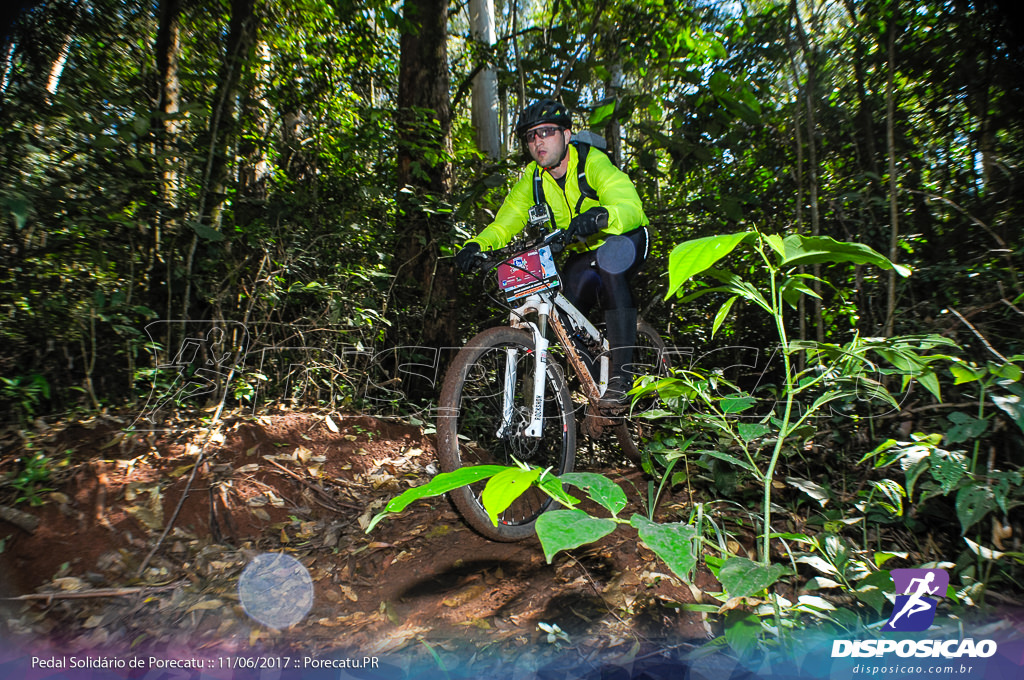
<point>505,397</point>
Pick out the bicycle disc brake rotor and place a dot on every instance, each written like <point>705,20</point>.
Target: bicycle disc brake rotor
<point>518,444</point>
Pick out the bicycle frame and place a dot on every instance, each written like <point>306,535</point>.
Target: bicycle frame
<point>542,305</point>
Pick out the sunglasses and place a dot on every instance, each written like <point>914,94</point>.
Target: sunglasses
<point>543,133</point>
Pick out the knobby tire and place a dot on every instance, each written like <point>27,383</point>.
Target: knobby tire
<point>470,414</point>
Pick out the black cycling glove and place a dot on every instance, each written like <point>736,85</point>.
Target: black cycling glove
<point>465,258</point>
<point>590,222</point>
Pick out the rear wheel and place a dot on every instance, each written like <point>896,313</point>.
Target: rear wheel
<point>478,425</point>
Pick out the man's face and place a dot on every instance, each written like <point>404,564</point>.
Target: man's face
<point>547,150</point>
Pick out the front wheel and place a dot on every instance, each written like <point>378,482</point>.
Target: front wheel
<point>484,406</point>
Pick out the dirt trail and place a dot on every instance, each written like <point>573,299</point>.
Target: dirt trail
<point>305,485</point>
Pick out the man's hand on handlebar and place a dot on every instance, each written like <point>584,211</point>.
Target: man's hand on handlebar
<point>470,257</point>
<point>590,222</point>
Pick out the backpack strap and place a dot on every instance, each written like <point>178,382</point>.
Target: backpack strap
<point>538,193</point>
<point>586,191</point>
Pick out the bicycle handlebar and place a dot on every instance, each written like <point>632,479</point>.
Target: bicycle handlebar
<point>492,258</point>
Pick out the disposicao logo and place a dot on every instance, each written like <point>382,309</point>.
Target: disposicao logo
<point>914,612</point>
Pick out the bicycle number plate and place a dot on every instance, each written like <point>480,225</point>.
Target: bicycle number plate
<point>528,273</point>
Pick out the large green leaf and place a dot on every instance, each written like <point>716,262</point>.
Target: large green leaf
<point>737,403</point>
<point>601,114</point>
<point>972,503</point>
<point>552,486</point>
<point>692,257</point>
<point>965,427</point>
<point>748,432</point>
<point>893,494</point>
<point>601,490</point>
<point>504,488</point>
<point>742,630</point>
<point>742,578</point>
<point>964,373</point>
<point>568,529</point>
<point>440,484</point>
<point>673,543</point>
<point>728,458</point>
<point>1008,371</point>
<point>947,469</point>
<point>871,590</point>
<point>794,287</point>
<point>824,249</point>
<point>733,285</point>
<point>19,209</point>
<point>722,313</point>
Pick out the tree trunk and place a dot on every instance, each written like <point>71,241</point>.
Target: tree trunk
<point>810,97</point>
<point>485,84</point>
<point>521,80</point>
<point>166,127</point>
<point>890,138</point>
<point>254,168</point>
<point>57,68</point>
<point>798,180</point>
<point>424,167</point>
<point>240,39</point>
<point>614,134</point>
<point>864,109</point>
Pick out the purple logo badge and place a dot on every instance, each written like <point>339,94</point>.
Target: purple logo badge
<point>914,610</point>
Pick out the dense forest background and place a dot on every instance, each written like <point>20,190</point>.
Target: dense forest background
<point>306,164</point>
<point>257,202</point>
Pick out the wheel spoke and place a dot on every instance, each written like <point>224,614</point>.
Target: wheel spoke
<point>492,406</point>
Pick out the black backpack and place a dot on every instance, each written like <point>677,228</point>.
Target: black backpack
<point>583,141</point>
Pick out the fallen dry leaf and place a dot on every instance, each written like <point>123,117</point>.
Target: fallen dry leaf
<point>93,621</point>
<point>69,583</point>
<point>467,595</point>
<point>395,640</point>
<point>205,605</point>
<point>482,624</point>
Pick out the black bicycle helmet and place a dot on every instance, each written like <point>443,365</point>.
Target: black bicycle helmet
<point>542,111</point>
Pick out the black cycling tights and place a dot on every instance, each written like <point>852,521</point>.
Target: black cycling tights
<point>604,274</point>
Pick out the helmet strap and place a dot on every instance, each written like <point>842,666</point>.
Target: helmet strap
<point>565,152</point>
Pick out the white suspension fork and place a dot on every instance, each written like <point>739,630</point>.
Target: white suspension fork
<point>540,372</point>
<point>534,401</point>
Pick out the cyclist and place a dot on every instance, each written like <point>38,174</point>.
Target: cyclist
<point>610,231</point>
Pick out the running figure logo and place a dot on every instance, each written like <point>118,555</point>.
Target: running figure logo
<point>914,610</point>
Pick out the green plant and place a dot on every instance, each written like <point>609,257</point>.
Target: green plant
<point>26,393</point>
<point>659,460</point>
<point>31,478</point>
<point>832,373</point>
<point>560,529</point>
<point>732,431</point>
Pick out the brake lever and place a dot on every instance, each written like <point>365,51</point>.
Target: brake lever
<point>480,263</point>
<point>560,239</point>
